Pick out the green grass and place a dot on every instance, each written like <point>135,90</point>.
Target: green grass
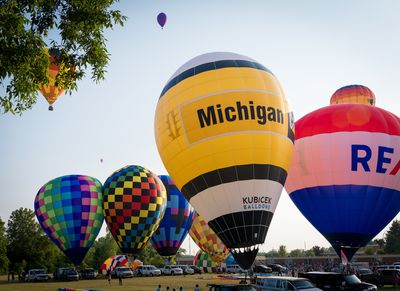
<point>137,283</point>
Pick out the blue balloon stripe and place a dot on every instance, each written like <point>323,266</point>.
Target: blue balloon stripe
<point>347,208</point>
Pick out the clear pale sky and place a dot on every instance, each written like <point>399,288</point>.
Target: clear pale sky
<point>313,47</point>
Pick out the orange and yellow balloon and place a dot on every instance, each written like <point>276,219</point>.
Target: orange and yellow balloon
<point>50,91</point>
<point>353,94</point>
<point>207,240</point>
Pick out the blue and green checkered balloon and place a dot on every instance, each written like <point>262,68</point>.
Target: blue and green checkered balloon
<point>70,211</point>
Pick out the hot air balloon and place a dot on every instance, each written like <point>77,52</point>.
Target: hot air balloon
<point>50,91</point>
<point>134,204</point>
<point>204,262</point>
<point>353,94</point>
<point>70,211</point>
<point>176,223</point>
<point>162,19</point>
<point>207,240</point>
<point>344,174</point>
<point>119,261</point>
<point>224,132</point>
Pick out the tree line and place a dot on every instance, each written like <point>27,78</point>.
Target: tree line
<point>24,245</point>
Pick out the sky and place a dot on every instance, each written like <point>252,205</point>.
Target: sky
<point>313,47</point>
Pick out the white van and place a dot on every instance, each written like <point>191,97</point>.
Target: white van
<point>282,283</point>
<point>234,269</point>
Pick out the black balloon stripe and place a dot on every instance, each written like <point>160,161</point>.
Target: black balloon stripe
<point>212,66</point>
<point>232,174</point>
<point>239,229</point>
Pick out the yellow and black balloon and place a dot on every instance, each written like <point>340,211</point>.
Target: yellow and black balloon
<point>224,131</point>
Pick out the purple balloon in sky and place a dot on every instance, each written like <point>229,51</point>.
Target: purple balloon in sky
<point>162,19</point>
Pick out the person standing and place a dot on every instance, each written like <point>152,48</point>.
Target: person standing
<point>197,288</point>
<point>159,287</point>
<point>109,277</point>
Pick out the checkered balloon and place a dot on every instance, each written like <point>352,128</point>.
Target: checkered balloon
<point>207,240</point>
<point>176,222</point>
<point>204,262</point>
<point>70,211</point>
<point>134,204</point>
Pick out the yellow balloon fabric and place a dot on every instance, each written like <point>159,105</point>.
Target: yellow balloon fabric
<point>224,131</point>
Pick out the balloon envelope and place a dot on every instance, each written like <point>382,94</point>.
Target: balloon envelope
<point>353,94</point>
<point>134,204</point>
<point>50,91</point>
<point>224,132</point>
<point>204,262</point>
<point>119,260</point>
<point>344,174</point>
<point>207,240</point>
<point>70,211</point>
<point>176,222</point>
<point>162,19</point>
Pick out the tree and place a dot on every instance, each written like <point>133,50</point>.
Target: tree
<point>25,29</point>
<point>318,251</point>
<point>28,245</point>
<point>272,253</point>
<point>149,256</point>
<point>392,238</point>
<point>103,248</point>
<point>3,249</point>
<point>380,242</point>
<point>282,252</point>
<point>297,253</point>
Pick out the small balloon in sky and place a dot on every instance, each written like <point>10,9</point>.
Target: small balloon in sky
<point>162,19</point>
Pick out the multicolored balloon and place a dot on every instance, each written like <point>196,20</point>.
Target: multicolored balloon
<point>207,240</point>
<point>162,19</point>
<point>119,260</point>
<point>204,262</point>
<point>176,223</point>
<point>70,211</point>
<point>353,94</point>
<point>344,176</point>
<point>223,129</point>
<point>50,91</point>
<point>135,200</point>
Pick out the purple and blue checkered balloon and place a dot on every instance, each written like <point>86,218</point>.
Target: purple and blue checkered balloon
<point>176,223</point>
<point>70,211</point>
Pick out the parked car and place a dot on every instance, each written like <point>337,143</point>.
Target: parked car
<point>70,275</point>
<point>66,274</point>
<point>35,275</point>
<point>88,273</point>
<point>122,272</point>
<point>367,275</point>
<point>172,270</point>
<point>389,277</point>
<point>263,269</point>
<point>283,283</point>
<point>196,269</point>
<point>147,270</point>
<point>231,287</point>
<point>187,270</point>
<point>234,269</point>
<point>276,268</point>
<point>337,281</point>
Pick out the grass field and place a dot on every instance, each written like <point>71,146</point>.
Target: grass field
<point>137,284</point>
